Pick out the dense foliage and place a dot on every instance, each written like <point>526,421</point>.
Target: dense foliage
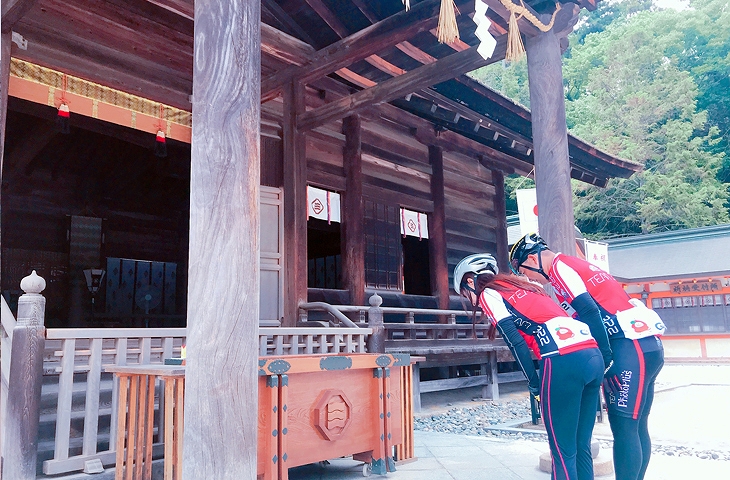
<point>651,86</point>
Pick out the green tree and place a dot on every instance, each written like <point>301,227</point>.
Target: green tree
<point>651,86</point>
<point>634,100</point>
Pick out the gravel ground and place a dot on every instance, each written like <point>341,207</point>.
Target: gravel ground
<point>490,419</point>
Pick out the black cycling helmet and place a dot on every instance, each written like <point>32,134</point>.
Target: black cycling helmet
<point>529,244</point>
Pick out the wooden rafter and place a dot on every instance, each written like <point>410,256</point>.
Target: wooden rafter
<point>422,77</point>
<point>366,42</point>
<point>468,113</point>
<point>12,11</point>
<point>184,8</point>
<point>284,47</point>
<point>329,18</point>
<point>287,20</point>
<point>526,28</point>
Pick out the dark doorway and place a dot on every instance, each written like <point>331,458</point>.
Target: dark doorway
<point>324,259</point>
<point>416,266</point>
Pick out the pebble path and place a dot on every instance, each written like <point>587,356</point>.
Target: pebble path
<point>489,419</point>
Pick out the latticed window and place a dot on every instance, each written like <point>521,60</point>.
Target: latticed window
<point>383,265</point>
<point>694,313</point>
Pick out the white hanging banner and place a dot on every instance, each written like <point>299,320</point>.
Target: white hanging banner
<point>597,254</point>
<point>413,223</point>
<point>323,204</point>
<point>527,210</point>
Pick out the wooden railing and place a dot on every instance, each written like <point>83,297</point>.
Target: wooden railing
<point>307,341</point>
<point>424,337</point>
<point>73,354</point>
<point>6,336</point>
<point>85,352</point>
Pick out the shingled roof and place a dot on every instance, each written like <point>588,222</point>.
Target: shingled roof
<point>682,254</point>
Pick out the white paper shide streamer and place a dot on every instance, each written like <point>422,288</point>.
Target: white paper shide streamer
<point>487,42</point>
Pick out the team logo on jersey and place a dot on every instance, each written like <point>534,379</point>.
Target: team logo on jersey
<point>639,326</point>
<point>564,333</point>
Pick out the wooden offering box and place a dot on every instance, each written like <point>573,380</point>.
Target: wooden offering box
<point>318,407</point>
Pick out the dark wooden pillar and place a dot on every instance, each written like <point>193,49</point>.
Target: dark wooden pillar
<point>500,212</point>
<point>223,285</point>
<point>353,271</point>
<point>550,138</point>
<point>437,230</point>
<point>5,41</point>
<point>295,204</point>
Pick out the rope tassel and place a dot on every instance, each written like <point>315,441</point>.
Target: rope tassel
<point>515,47</point>
<point>63,119</point>
<point>448,30</point>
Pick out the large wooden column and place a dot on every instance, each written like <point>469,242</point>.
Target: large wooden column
<point>500,212</point>
<point>353,255</point>
<point>437,230</point>
<point>295,204</point>
<point>5,41</point>
<point>221,418</point>
<point>550,138</point>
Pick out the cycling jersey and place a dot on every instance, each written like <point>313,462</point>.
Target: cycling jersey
<point>572,371</point>
<point>622,316</point>
<point>538,316</point>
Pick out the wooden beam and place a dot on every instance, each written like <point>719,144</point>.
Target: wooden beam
<point>437,231</point>
<point>12,11</point>
<point>221,378</point>
<point>360,45</point>
<point>284,47</point>
<point>295,204</point>
<point>287,21</point>
<point>329,18</point>
<point>353,254</point>
<point>489,157</point>
<point>184,8</point>
<point>526,28</point>
<point>64,58</point>
<point>427,75</point>
<point>468,113</point>
<point>550,135</point>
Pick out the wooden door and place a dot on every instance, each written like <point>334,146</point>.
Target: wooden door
<point>271,307</point>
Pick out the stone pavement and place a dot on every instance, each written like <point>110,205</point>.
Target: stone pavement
<point>694,417</point>
<point>444,456</point>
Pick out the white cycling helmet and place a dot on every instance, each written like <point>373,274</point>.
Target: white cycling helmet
<point>477,264</point>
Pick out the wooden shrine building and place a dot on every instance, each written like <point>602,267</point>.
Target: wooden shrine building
<point>342,131</point>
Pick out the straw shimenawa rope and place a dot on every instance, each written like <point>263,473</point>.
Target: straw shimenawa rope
<point>515,47</point>
<point>447,30</point>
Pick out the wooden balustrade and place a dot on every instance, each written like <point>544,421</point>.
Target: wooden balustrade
<point>308,341</point>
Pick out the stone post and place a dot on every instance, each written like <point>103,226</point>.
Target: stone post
<point>376,342</point>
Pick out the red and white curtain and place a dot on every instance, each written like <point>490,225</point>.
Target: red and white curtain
<point>413,223</point>
<point>323,204</point>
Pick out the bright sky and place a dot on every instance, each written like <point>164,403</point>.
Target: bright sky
<point>675,4</point>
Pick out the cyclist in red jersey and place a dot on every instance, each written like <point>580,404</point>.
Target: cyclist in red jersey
<point>570,360</point>
<point>633,331</point>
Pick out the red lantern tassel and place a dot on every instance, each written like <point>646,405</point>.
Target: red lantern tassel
<point>63,119</point>
<point>160,144</point>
